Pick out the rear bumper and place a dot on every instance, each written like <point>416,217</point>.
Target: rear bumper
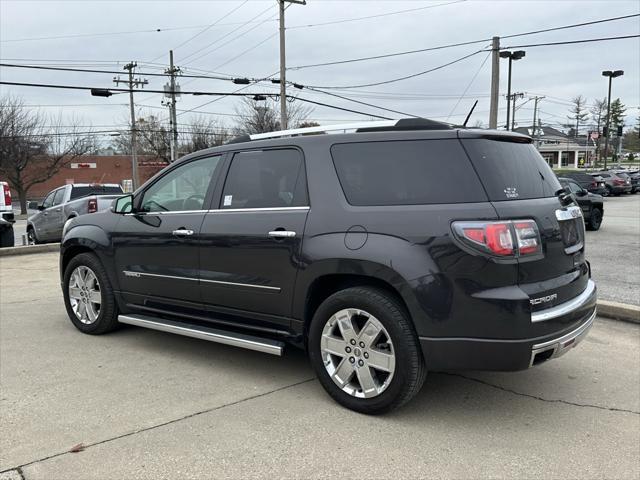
<point>517,354</point>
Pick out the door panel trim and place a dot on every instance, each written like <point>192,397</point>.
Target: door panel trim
<point>258,210</point>
<point>129,273</point>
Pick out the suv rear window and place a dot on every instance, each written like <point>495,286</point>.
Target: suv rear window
<point>77,192</point>
<point>511,170</point>
<point>410,172</point>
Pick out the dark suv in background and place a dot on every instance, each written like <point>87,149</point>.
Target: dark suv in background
<point>615,183</point>
<point>591,183</point>
<point>350,246</point>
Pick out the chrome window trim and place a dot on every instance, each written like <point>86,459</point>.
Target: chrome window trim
<point>263,209</point>
<point>170,212</point>
<point>566,307</point>
<point>129,273</point>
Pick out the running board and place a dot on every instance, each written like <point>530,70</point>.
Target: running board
<point>225,337</point>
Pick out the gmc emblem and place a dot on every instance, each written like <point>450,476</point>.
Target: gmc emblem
<point>548,298</point>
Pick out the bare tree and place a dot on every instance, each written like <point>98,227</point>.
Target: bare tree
<point>203,133</point>
<point>579,113</point>
<point>260,116</point>
<point>153,138</point>
<point>31,151</point>
<point>598,113</point>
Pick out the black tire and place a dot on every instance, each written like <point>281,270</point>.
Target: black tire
<point>6,237</point>
<point>107,319</point>
<point>410,370</point>
<point>595,220</point>
<point>32,238</point>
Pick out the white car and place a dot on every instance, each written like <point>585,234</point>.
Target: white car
<point>6,216</point>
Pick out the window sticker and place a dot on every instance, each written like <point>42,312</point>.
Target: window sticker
<point>511,192</point>
<point>228,199</point>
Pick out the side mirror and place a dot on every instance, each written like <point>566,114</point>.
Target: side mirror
<point>32,205</point>
<point>582,193</point>
<point>123,205</point>
<point>41,207</point>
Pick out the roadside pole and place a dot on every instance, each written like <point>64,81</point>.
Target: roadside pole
<point>172,72</point>
<point>495,83</point>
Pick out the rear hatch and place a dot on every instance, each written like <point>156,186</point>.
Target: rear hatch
<point>520,185</point>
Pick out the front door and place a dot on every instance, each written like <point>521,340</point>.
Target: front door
<point>251,244</point>
<point>156,246</point>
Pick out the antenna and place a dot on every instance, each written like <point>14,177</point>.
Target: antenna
<point>469,115</point>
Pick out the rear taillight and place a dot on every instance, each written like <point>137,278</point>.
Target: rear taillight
<point>7,195</point>
<point>618,182</point>
<point>516,238</point>
<point>92,206</point>
<point>593,184</point>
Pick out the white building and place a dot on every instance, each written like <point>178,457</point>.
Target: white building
<point>560,150</point>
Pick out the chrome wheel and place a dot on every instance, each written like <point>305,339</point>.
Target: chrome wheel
<point>358,353</point>
<point>84,294</point>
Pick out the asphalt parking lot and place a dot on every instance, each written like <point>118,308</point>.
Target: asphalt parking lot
<point>147,404</point>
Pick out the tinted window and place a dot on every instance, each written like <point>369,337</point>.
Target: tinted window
<point>406,173</point>
<point>59,196</point>
<point>510,170</point>
<point>182,189</point>
<point>265,179</point>
<point>78,192</point>
<point>574,187</point>
<point>49,200</point>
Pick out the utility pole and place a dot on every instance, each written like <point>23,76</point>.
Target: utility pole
<point>172,94</point>
<point>131,82</point>
<point>495,83</point>
<point>536,99</point>
<point>283,66</point>
<point>513,115</point>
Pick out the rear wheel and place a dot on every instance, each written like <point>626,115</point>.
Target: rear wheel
<point>6,237</point>
<point>364,350</point>
<point>595,220</point>
<point>32,238</point>
<point>88,295</point>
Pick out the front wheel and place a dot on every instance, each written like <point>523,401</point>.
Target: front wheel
<point>88,295</point>
<point>364,350</point>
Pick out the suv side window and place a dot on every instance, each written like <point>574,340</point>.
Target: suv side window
<point>59,196</point>
<point>182,189</point>
<point>265,179</point>
<point>48,202</point>
<point>574,187</point>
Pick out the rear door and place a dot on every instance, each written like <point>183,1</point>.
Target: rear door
<point>521,185</point>
<point>251,243</point>
<point>55,220</point>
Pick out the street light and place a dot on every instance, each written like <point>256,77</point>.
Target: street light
<point>517,55</point>
<point>611,75</point>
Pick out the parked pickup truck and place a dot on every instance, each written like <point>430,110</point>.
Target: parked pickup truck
<point>68,202</point>
<point>6,216</point>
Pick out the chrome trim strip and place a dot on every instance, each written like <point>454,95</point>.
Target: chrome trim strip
<point>566,307</point>
<point>263,210</point>
<point>235,284</point>
<point>176,212</point>
<point>322,129</point>
<point>205,333</point>
<point>562,345</point>
<point>128,273</point>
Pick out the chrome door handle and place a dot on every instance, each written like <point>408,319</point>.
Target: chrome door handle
<point>182,233</point>
<point>282,234</point>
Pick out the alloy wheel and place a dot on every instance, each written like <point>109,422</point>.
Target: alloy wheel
<point>84,294</point>
<point>358,353</point>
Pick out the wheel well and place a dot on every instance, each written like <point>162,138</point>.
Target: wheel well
<point>327,285</point>
<point>72,252</point>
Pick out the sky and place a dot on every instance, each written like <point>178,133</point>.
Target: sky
<point>240,38</point>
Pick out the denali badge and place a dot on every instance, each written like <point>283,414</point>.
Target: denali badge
<point>548,298</point>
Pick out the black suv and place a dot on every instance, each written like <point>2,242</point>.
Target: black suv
<point>353,246</point>
<point>592,205</point>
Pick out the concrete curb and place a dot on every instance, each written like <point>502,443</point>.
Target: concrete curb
<point>619,311</point>
<point>26,250</point>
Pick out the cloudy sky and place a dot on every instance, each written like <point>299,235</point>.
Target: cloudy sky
<point>239,38</point>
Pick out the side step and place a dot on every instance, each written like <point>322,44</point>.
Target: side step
<point>234,339</point>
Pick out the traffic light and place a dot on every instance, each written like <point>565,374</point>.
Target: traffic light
<point>605,131</point>
<point>619,130</point>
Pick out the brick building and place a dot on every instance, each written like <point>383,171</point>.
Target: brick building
<point>98,169</point>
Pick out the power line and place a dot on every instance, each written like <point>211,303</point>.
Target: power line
<point>473,79</point>
<point>363,103</point>
<point>459,44</point>
<point>570,42</point>
<point>208,27</point>
<point>406,77</point>
<point>357,19</point>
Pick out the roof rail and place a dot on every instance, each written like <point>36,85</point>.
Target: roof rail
<point>323,128</point>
